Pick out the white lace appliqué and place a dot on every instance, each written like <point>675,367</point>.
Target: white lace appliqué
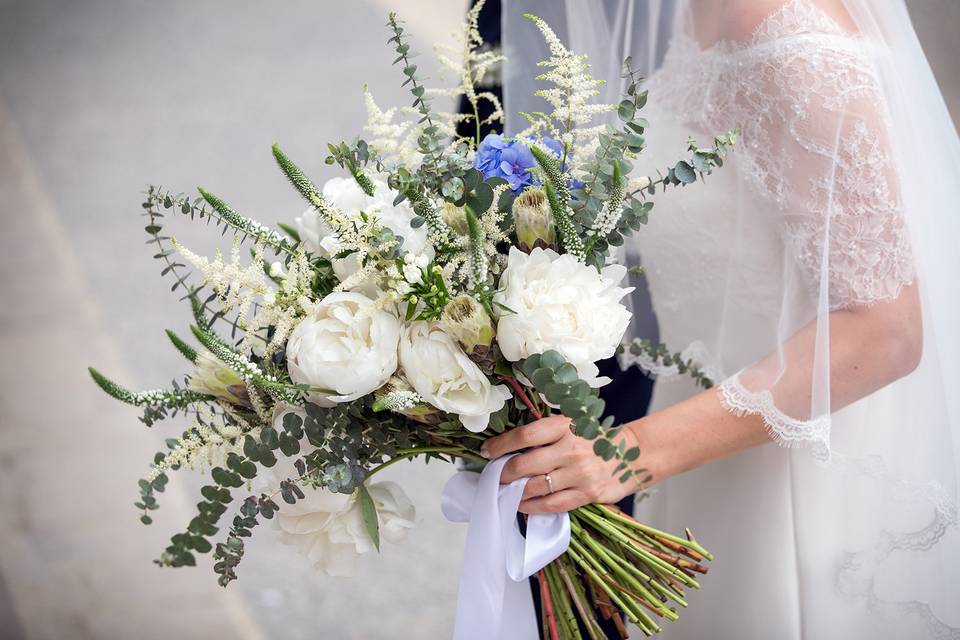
<point>806,98</point>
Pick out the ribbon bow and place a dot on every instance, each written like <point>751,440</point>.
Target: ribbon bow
<point>489,605</point>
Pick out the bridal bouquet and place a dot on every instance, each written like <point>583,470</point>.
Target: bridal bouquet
<point>444,290</point>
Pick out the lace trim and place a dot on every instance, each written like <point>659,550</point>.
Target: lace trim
<point>855,578</point>
<point>785,431</point>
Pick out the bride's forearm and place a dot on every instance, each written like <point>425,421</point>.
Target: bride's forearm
<point>869,348</point>
<point>693,433</point>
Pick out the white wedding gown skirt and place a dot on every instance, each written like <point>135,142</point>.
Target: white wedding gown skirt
<point>796,557</point>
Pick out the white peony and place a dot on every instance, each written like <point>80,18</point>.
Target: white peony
<point>347,196</point>
<point>439,370</point>
<point>328,527</point>
<point>344,346</point>
<point>560,303</point>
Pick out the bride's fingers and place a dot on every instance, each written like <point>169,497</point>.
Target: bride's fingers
<point>534,434</point>
<point>533,463</point>
<point>566,500</point>
<point>538,486</point>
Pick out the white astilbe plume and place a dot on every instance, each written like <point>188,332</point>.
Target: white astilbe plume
<point>453,273</point>
<point>571,97</point>
<point>395,142</point>
<point>491,222</point>
<point>240,287</point>
<point>471,63</point>
<point>285,307</point>
<point>483,250</point>
<point>204,444</point>
<point>237,286</point>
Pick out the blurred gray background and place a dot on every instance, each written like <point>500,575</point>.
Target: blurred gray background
<point>98,98</point>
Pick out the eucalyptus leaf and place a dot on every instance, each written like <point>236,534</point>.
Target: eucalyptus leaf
<point>369,511</point>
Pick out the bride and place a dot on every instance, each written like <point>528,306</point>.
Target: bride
<point>814,276</point>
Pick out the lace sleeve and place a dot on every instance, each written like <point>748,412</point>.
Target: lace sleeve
<point>821,153</point>
<point>815,127</point>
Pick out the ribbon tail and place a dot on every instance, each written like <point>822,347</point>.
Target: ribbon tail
<point>494,601</point>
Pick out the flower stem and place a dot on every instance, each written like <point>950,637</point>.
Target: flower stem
<point>579,600</point>
<point>619,516</point>
<point>522,394</point>
<point>406,454</point>
<point>548,606</point>
<point>561,601</point>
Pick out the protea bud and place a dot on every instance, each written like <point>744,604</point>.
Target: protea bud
<point>215,378</point>
<point>455,217</point>
<point>533,220</point>
<point>398,396</point>
<point>468,323</point>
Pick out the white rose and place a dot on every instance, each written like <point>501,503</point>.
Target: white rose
<point>562,304</point>
<point>328,527</point>
<point>344,346</point>
<point>439,370</point>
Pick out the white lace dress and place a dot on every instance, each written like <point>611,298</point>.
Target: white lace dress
<point>805,215</point>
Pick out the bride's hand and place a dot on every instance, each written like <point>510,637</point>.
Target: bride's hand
<point>577,474</point>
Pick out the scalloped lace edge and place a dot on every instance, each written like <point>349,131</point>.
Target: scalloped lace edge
<point>784,430</point>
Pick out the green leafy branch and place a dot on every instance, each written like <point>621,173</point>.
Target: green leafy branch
<point>702,162</point>
<point>558,381</point>
<point>429,142</point>
<point>353,158</point>
<point>661,355</point>
<point>239,469</point>
<point>157,403</point>
<point>159,200</point>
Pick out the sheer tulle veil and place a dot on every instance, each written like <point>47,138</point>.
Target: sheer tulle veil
<point>850,156</point>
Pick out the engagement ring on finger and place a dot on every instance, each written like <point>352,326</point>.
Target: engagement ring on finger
<point>549,480</point>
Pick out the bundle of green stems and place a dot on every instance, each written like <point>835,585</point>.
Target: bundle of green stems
<point>616,566</point>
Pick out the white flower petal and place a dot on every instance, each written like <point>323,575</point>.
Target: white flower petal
<point>561,304</point>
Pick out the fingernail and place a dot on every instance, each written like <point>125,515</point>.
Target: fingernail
<point>485,453</point>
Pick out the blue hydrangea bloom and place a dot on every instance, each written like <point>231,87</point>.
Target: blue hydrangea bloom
<point>510,159</point>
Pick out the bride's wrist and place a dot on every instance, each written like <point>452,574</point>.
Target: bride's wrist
<point>657,457</point>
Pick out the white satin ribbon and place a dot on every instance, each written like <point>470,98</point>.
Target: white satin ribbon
<point>494,601</point>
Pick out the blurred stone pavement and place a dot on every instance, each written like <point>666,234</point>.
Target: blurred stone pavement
<point>98,98</point>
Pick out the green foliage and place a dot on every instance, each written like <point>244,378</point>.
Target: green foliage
<point>558,381</point>
<point>664,357</point>
<point>353,158</point>
<point>238,471</point>
<point>161,399</point>
<point>559,197</point>
<point>185,349</point>
<point>160,203</point>
<point>299,180</point>
<point>441,171</point>
<point>604,181</point>
<point>369,511</point>
<point>428,298</point>
<point>702,162</point>
<point>148,489</point>
<point>246,227</point>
